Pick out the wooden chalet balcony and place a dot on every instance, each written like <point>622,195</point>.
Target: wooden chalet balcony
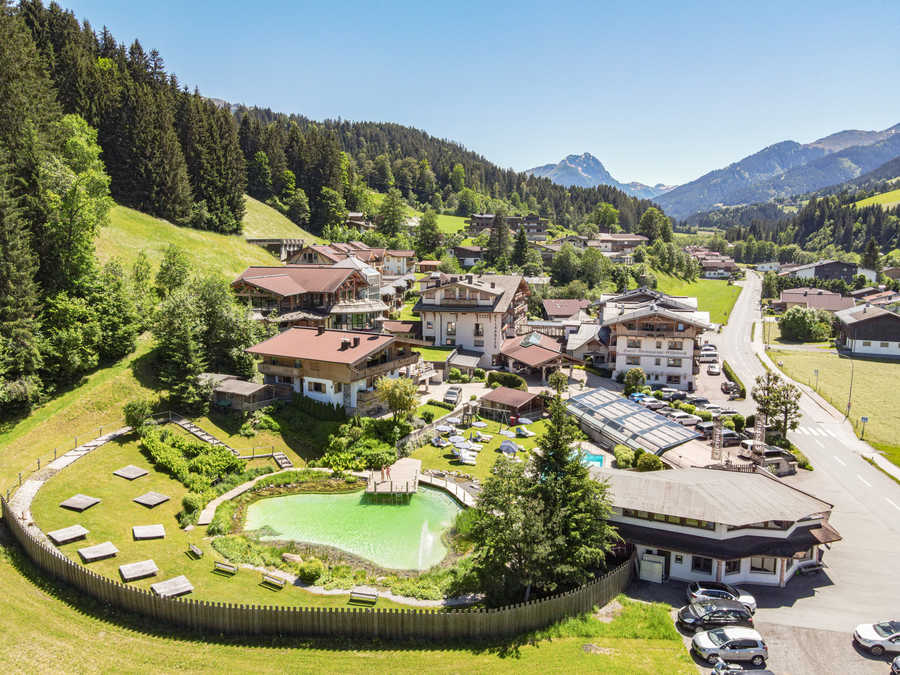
<point>272,369</point>
<point>382,368</point>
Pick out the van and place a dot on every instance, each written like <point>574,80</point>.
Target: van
<point>705,428</point>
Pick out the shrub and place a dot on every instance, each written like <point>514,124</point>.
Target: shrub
<point>728,424</point>
<point>247,430</point>
<point>310,571</point>
<point>624,456</point>
<point>649,462</point>
<point>428,416</point>
<point>637,454</point>
<point>495,385</point>
<point>318,410</point>
<point>510,380</point>
<point>455,374</point>
<point>620,377</point>
<point>473,397</point>
<point>658,395</point>
<point>731,375</point>
<point>479,374</point>
<point>739,422</point>
<point>439,404</point>
<point>704,415</point>
<point>137,413</point>
<point>750,422</point>
<point>689,408</point>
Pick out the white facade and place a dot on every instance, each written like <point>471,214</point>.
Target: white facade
<point>469,262</point>
<point>717,273</point>
<point>768,267</point>
<point>870,275</point>
<point>666,361</point>
<point>397,265</point>
<point>475,331</point>
<point>874,347</point>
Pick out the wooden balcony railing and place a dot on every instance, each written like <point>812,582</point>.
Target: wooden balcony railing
<point>272,369</point>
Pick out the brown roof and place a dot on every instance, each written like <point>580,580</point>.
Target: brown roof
<point>309,343</point>
<point>400,254</point>
<point>287,280</point>
<point>514,398</point>
<point>469,249</point>
<point>817,298</point>
<point>565,307</point>
<point>504,286</point>
<point>861,313</point>
<point>533,350</point>
<point>399,326</point>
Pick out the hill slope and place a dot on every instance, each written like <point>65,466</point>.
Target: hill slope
<point>130,232</point>
<point>587,171</point>
<point>785,169</point>
<point>262,221</point>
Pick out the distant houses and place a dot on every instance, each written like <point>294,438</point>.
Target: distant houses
<point>828,270</point>
<point>812,298</point>
<point>713,265</point>
<point>535,227</point>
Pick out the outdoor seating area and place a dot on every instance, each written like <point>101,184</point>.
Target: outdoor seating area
<point>79,503</point>
<point>151,499</point>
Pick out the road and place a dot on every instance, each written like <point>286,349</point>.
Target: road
<point>861,583</point>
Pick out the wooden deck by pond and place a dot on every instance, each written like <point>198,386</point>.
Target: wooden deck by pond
<point>401,478</point>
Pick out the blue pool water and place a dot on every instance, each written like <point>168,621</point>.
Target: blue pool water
<point>592,460</point>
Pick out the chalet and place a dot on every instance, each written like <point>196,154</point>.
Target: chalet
<point>399,263</point>
<point>589,341</point>
<point>713,525</point>
<point>468,256</point>
<point>869,331</point>
<point>655,332</point>
<point>504,403</point>
<point>535,227</point>
<point>564,308</point>
<point>812,298</point>
<point>427,266</point>
<point>827,270</point>
<point>880,298</point>
<point>768,267</point>
<point>358,220</point>
<point>533,354</point>
<point>335,367</point>
<point>329,254</point>
<point>330,296</point>
<point>717,268</point>
<point>230,392</point>
<point>476,312</point>
<point>891,272</point>
<point>617,242</point>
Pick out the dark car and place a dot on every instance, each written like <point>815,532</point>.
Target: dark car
<point>895,666</point>
<point>731,437</point>
<point>707,614</point>
<point>706,428</point>
<point>669,394</point>
<point>698,400</point>
<point>730,387</point>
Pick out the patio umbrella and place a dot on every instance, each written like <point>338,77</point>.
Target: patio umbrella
<point>510,447</point>
<point>443,429</point>
<point>453,420</point>
<point>524,420</point>
<point>479,424</point>
<point>456,439</point>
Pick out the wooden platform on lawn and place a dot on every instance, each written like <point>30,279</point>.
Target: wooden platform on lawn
<point>67,534</point>
<point>173,587</point>
<point>98,552</point>
<point>79,502</point>
<point>130,472</point>
<point>141,532</point>
<point>404,478</point>
<point>138,570</point>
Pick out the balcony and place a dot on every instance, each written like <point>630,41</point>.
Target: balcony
<point>272,369</point>
<point>382,368</point>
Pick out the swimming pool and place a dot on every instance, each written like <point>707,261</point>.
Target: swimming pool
<point>590,459</point>
<point>396,536</point>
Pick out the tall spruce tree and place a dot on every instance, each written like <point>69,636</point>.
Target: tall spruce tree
<point>520,250</point>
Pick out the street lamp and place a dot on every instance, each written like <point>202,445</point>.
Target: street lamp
<point>850,393</point>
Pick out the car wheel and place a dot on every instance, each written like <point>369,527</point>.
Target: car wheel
<point>877,650</point>
<point>757,661</point>
<point>712,659</point>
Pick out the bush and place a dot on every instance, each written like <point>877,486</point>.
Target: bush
<point>310,571</point>
<point>137,413</point>
<point>428,416</point>
<point>637,454</point>
<point>318,410</point>
<point>750,422</point>
<point>624,456</point>
<point>658,395</point>
<point>704,415</point>
<point>731,375</point>
<point>634,380</point>
<point>510,380</point>
<point>620,377</point>
<point>473,397</point>
<point>729,424</point>
<point>247,430</point>
<point>454,375</point>
<point>739,422</point>
<point>689,408</point>
<point>495,385</point>
<point>649,462</point>
<point>439,404</point>
<point>479,374</point>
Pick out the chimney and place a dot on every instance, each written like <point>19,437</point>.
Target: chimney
<point>321,330</point>
<point>345,344</point>
<point>356,342</point>
<point>493,285</point>
<point>470,278</point>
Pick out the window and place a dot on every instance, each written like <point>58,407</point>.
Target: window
<point>429,325</point>
<point>634,344</point>
<point>633,361</point>
<point>479,330</point>
<point>764,565</point>
<point>451,328</point>
<point>675,345</point>
<point>673,379</point>
<point>701,564</point>
<point>867,343</point>
<point>679,559</point>
<point>673,363</point>
<point>657,361</point>
<point>316,386</point>
<point>732,566</point>
<point>659,344</point>
<point>339,387</point>
<point>885,345</point>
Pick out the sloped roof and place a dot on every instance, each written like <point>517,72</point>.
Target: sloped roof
<point>504,288</point>
<point>514,398</point>
<point>564,307</point>
<point>817,298</point>
<point>863,313</point>
<point>585,333</point>
<point>286,280</point>
<point>308,343</point>
<point>533,349</point>
<point>396,253</point>
<point>698,319</point>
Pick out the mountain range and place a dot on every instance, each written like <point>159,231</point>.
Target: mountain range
<point>585,170</point>
<point>785,169</point>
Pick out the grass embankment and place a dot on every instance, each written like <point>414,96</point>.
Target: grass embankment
<point>872,382</point>
<point>261,221</point>
<point>713,295</point>
<point>406,313</point>
<point>436,354</point>
<point>441,458</point>
<point>885,199</point>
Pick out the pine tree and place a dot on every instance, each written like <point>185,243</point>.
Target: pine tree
<point>259,177</point>
<point>392,213</point>
<point>428,236</point>
<point>520,251</point>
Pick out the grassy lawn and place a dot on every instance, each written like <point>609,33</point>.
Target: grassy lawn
<point>713,295</point>
<point>437,354</point>
<point>772,334</point>
<point>437,410</point>
<point>130,232</point>
<point>440,458</point>
<point>871,380</point>
<point>406,313</point>
<point>450,224</point>
<point>886,199</point>
<point>262,221</point>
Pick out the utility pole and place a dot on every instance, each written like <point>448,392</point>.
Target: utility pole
<point>850,393</point>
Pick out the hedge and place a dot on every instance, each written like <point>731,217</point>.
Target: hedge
<point>440,404</point>
<point>731,375</point>
<point>510,380</point>
<point>319,410</point>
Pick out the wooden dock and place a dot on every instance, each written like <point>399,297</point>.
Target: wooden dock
<point>402,479</point>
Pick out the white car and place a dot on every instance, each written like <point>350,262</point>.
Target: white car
<point>878,638</point>
<point>730,643</point>
<point>685,419</point>
<point>713,369</point>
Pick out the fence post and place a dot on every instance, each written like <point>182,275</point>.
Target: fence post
<point>20,479</point>
<point>54,453</point>
<point>38,463</point>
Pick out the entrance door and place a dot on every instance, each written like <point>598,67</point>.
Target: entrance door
<point>667,561</point>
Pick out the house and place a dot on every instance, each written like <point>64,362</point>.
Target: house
<point>474,311</point>
<point>398,263</point>
<point>880,298</point>
<point>658,333</point>
<point>713,525</point>
<point>717,268</point>
<point>589,341</point>
<point>468,256</point>
<point>427,266</point>
<point>336,367</point>
<point>331,296</point>
<point>564,308</point>
<point>768,267</point>
<point>535,227</point>
<point>402,329</point>
<point>860,293</point>
<point>329,254</point>
<point>617,242</point>
<point>504,403</point>
<point>813,298</point>
<point>891,272</point>
<point>824,269</point>
<point>531,354</point>
<point>230,392</point>
<point>358,220</point>
<point>869,331</point>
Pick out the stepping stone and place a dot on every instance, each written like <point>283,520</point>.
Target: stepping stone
<point>151,499</point>
<point>130,472</point>
<point>79,502</point>
<point>148,532</point>
<point>173,587</point>
<point>98,552</point>
<point>138,570</point>
<point>67,534</point>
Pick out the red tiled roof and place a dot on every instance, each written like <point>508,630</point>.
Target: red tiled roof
<point>533,350</point>
<point>817,298</point>
<point>285,280</point>
<point>514,398</point>
<point>564,307</point>
<point>308,343</point>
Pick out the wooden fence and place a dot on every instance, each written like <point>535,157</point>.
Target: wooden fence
<point>217,617</point>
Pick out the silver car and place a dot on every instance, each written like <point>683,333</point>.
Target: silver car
<point>731,643</point>
<point>878,638</point>
<point>702,590</point>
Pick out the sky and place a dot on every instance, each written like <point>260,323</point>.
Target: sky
<point>658,91</point>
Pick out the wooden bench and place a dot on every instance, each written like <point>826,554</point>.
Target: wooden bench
<point>225,567</point>
<point>195,551</point>
<point>271,580</point>
<point>814,568</point>
<point>360,596</point>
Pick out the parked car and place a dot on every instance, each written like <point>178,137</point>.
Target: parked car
<point>708,357</point>
<point>713,613</point>
<point>713,369</point>
<point>729,387</point>
<point>731,437</point>
<point>705,428</point>
<point>731,643</point>
<point>685,419</point>
<point>698,401</point>
<point>453,395</point>
<point>711,407</point>
<point>670,394</point>
<point>653,403</point>
<point>878,638</point>
<point>895,666</point>
<point>716,589</point>
<point>667,411</point>
<point>727,412</point>
<point>708,347</point>
<point>637,396</point>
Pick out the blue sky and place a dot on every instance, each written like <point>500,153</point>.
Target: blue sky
<point>658,91</point>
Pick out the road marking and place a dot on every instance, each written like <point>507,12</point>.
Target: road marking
<point>840,461</point>
<point>892,503</point>
<point>818,442</point>
<point>864,481</point>
<point>803,431</point>
<point>814,431</point>
<point>830,433</point>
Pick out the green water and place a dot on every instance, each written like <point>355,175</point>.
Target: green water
<point>396,536</point>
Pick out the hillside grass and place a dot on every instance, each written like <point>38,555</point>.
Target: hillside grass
<point>130,232</point>
<point>713,295</point>
<point>885,199</point>
<point>262,221</point>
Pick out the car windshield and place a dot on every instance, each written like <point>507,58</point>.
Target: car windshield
<point>730,589</point>
<point>717,637</point>
<point>887,628</point>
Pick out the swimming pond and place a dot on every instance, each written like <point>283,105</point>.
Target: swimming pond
<point>403,536</point>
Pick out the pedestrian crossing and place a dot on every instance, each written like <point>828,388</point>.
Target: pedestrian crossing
<point>816,431</point>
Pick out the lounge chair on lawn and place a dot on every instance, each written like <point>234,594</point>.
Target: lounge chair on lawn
<point>522,432</point>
